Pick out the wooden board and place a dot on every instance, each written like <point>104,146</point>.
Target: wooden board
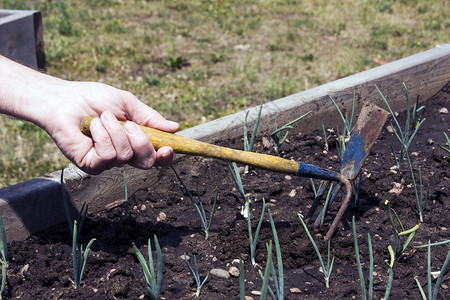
<point>33,206</point>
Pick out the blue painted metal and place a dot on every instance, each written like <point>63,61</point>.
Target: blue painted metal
<point>311,171</point>
<point>354,156</point>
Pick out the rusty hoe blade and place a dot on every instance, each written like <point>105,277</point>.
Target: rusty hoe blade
<point>365,134</point>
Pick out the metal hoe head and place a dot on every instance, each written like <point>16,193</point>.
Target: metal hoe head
<point>364,135</point>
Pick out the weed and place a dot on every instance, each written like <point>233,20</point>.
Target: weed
<point>195,273</point>
<point>154,280</point>
<point>174,62</point>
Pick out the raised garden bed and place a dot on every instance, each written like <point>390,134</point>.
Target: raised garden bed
<point>41,265</point>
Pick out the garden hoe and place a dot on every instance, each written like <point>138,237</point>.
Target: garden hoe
<point>364,135</point>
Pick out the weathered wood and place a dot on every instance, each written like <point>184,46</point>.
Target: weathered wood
<point>35,205</point>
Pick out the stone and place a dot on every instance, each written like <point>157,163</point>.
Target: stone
<point>220,273</point>
<point>233,271</point>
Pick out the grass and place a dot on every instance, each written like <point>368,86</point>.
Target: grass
<point>199,60</point>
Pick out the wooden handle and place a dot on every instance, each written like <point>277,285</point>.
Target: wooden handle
<point>189,146</point>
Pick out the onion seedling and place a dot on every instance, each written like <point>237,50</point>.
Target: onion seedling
<point>254,239</point>
<point>266,276</point>
<point>248,145</point>
<point>276,135</point>
<point>413,122</point>
<point>199,207</point>
<point>348,127</point>
<point>368,294</point>
<point>445,148</point>
<point>4,255</point>
<point>79,257</point>
<point>241,280</point>
<point>154,280</point>
<point>195,273</point>
<point>326,270</point>
<point>401,243</point>
<point>432,295</point>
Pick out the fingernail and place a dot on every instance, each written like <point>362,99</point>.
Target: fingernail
<point>108,117</point>
<point>131,128</point>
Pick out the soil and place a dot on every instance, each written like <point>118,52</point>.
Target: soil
<point>41,266</point>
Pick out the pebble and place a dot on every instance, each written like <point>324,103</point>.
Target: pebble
<point>143,207</point>
<point>443,111</point>
<point>295,291</point>
<point>248,298</point>
<point>256,293</point>
<point>287,177</point>
<point>416,154</point>
<point>233,271</point>
<point>184,256</point>
<point>266,143</point>
<point>220,273</point>
<point>161,217</point>
<point>389,129</point>
<point>293,193</point>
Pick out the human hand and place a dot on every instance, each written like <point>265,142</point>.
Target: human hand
<point>111,144</point>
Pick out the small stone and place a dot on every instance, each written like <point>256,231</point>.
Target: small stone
<point>430,142</point>
<point>143,207</point>
<point>389,129</point>
<point>248,298</point>
<point>436,274</point>
<point>185,257</point>
<point>266,143</point>
<point>287,177</point>
<point>233,271</point>
<point>273,200</point>
<point>295,290</point>
<point>293,193</point>
<point>416,154</point>
<point>220,273</point>
<point>443,111</point>
<point>444,286</point>
<point>397,189</point>
<point>161,217</point>
<point>256,293</point>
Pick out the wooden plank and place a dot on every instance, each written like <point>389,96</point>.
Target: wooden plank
<point>35,205</point>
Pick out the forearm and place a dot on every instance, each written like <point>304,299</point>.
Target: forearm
<point>22,90</point>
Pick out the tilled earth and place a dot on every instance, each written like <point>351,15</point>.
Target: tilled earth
<point>41,266</point>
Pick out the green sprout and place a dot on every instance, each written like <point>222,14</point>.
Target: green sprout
<point>254,239</point>
<point>276,135</point>
<point>267,271</point>
<point>79,257</point>
<point>154,280</point>
<point>241,280</point>
<point>402,237</point>
<point>447,157</point>
<point>368,294</point>
<point>199,206</point>
<point>195,273</point>
<point>238,181</point>
<point>328,269</point>
<point>348,127</point>
<point>433,293</point>
<point>413,122</point>
<point>248,145</point>
<point>4,255</point>
<point>325,137</point>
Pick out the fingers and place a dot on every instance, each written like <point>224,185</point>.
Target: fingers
<point>116,144</point>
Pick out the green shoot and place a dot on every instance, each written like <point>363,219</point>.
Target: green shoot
<point>266,276</point>
<point>314,187</point>
<point>401,243</point>
<point>196,275</point>
<point>432,295</point>
<point>329,267</point>
<point>254,239</point>
<point>413,122</point>
<point>4,255</point>
<point>276,135</point>
<point>241,280</point>
<point>79,256</point>
<point>348,123</point>
<point>445,148</point>
<point>238,181</point>
<point>325,137</point>
<point>278,282</point>
<point>248,146</point>
<point>154,281</point>
<point>434,244</point>
<point>199,206</point>
<point>368,294</point>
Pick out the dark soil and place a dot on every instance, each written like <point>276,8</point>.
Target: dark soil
<point>41,266</point>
